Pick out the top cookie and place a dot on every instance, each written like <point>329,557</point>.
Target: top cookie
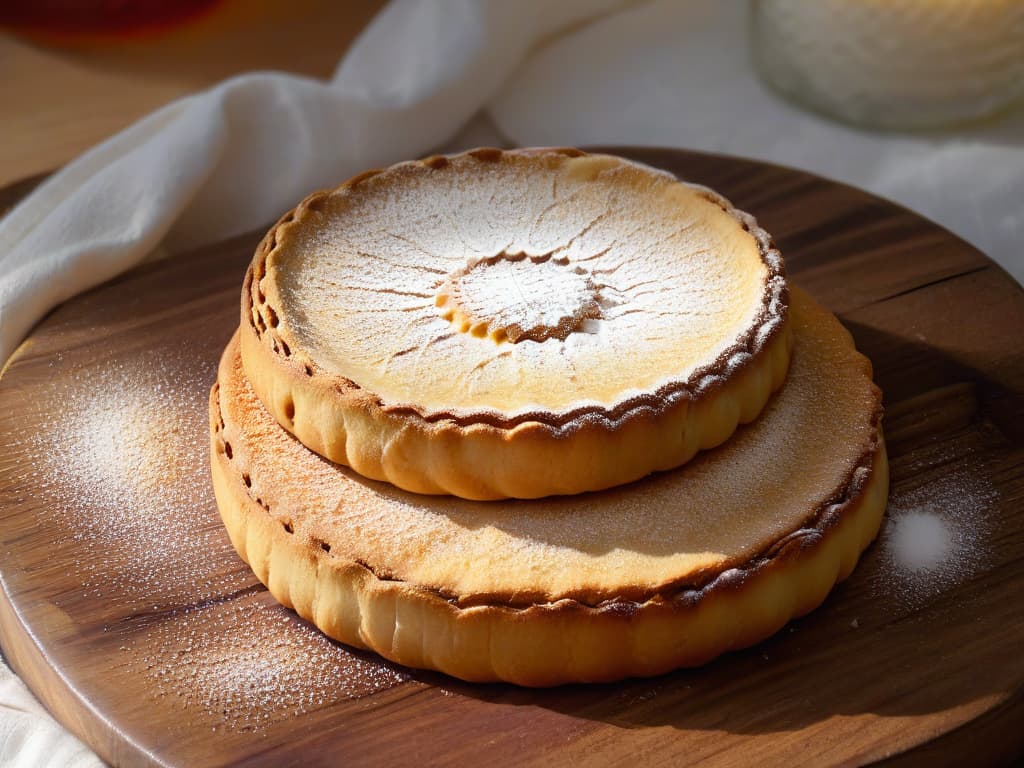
<point>514,323</point>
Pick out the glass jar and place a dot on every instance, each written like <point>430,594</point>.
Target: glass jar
<point>893,63</point>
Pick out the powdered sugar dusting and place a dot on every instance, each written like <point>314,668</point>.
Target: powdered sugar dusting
<point>921,541</point>
<point>120,461</point>
<point>936,536</point>
<point>247,662</point>
<point>124,467</point>
<point>519,298</point>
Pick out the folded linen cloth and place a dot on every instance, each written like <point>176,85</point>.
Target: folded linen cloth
<point>30,737</point>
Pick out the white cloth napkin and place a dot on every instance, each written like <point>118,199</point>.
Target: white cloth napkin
<point>234,157</point>
<point>30,737</point>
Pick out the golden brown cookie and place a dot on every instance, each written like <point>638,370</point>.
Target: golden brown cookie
<point>514,324</point>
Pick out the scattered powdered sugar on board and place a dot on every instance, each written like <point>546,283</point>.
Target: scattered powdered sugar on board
<point>936,536</point>
<point>122,461</point>
<point>921,541</point>
<point>246,662</point>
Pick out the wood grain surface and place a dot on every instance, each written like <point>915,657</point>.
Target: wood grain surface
<point>126,610</point>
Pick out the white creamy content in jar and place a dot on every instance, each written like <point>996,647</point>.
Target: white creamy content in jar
<point>893,63</point>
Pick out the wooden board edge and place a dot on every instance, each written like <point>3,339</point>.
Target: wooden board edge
<point>67,707</point>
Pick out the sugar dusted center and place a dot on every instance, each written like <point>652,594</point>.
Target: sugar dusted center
<point>520,297</point>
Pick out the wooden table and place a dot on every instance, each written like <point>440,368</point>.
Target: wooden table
<point>138,626</point>
<point>60,99</point>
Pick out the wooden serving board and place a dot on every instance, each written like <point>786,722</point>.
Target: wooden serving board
<point>128,613</point>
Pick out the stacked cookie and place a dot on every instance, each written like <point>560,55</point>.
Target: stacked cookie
<point>540,416</point>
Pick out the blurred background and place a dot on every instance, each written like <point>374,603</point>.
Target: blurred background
<point>75,72</point>
<point>78,71</point>
<point>915,100</point>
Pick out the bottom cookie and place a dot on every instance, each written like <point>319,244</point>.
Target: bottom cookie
<point>667,572</point>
